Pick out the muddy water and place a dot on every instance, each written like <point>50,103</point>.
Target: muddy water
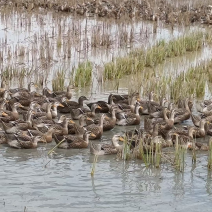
<point>46,43</point>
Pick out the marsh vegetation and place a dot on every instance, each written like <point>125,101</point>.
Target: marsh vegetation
<point>98,48</point>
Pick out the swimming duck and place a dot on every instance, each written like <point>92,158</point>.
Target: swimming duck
<point>92,113</point>
<point>24,90</point>
<point>20,144</point>
<point>62,129</point>
<point>182,114</point>
<point>67,94</point>
<point>3,88</point>
<point>131,105</point>
<point>68,105</point>
<point>54,110</point>
<point>130,118</point>
<point>96,129</point>
<point>75,142</point>
<point>48,136</point>
<point>20,124</point>
<point>44,115</point>
<point>102,149</point>
<point>104,105</point>
<point>110,122</point>
<point>200,132</point>
<point>12,115</point>
<point>78,104</point>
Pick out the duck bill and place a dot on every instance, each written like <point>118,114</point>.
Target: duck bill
<point>89,119</point>
<point>61,105</point>
<point>71,121</point>
<point>93,135</point>
<point>121,139</point>
<point>4,114</point>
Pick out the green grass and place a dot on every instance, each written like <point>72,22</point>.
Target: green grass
<point>137,60</point>
<point>59,81</point>
<point>83,74</point>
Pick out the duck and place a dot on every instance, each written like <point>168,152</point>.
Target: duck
<point>155,107</point>
<point>78,129</point>
<point>195,119</point>
<point>3,105</point>
<point>24,90</point>
<point>67,94</point>
<point>131,105</point>
<point>68,105</point>
<point>200,146</point>
<point>76,113</point>
<point>103,105</point>
<point>78,104</point>
<point>159,113</point>
<point>130,118</point>
<point>48,136</point>
<point>182,114</point>
<point>92,113</point>
<point>62,129</point>
<point>54,109</point>
<point>5,96</point>
<point>75,142</point>
<point>44,115</point>
<point>96,129</point>
<point>110,122</point>
<point>184,140</point>
<point>48,93</point>
<point>12,115</point>
<point>115,142</point>
<point>3,138</point>
<point>123,98</point>
<point>102,149</point>
<point>200,132</point>
<point>3,87</point>
<point>29,144</point>
<point>20,124</point>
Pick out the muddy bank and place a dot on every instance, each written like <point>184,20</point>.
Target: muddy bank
<point>168,12</point>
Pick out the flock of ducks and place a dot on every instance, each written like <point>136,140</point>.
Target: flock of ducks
<point>130,8</point>
<point>28,117</point>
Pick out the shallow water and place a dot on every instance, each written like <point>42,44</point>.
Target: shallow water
<point>32,181</point>
<point>63,182</point>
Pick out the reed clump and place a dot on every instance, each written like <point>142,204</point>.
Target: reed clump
<point>137,60</point>
<point>149,151</point>
<point>59,81</point>
<point>179,159</point>
<point>83,74</point>
<point>190,82</point>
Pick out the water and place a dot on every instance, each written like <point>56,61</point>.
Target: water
<point>32,181</point>
<point>63,182</point>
